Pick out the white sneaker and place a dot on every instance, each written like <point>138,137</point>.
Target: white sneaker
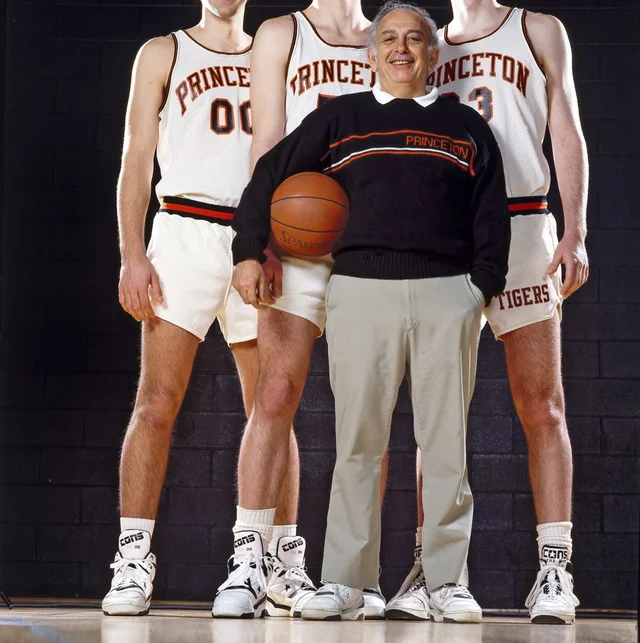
<point>412,576</point>
<point>244,593</point>
<point>131,587</point>
<point>453,603</point>
<point>289,586</point>
<point>374,604</point>
<point>411,603</point>
<point>412,600</point>
<point>552,601</point>
<point>334,602</point>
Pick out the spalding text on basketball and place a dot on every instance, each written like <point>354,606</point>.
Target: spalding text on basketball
<point>290,240</point>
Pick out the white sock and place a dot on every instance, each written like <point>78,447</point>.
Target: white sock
<point>279,531</point>
<point>134,544</point>
<point>554,542</point>
<point>259,520</point>
<point>130,544</point>
<point>142,524</point>
<point>419,537</point>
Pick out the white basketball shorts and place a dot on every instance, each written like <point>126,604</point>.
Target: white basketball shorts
<point>304,283</point>
<point>193,260</point>
<point>530,295</point>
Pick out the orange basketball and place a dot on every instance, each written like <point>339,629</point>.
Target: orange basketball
<point>309,213</point>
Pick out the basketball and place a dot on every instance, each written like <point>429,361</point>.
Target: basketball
<point>309,213</point>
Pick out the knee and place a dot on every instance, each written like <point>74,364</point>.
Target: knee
<point>541,413</point>
<point>156,411</point>
<point>279,395</point>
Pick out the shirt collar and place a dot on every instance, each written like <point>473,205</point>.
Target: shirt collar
<point>383,97</point>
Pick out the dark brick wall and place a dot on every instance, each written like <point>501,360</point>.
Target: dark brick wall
<point>69,354</point>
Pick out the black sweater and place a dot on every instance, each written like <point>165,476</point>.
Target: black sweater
<point>425,184</point>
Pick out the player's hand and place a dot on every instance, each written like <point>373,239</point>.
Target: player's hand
<point>137,276</point>
<point>573,254</point>
<point>272,268</point>
<point>249,280</point>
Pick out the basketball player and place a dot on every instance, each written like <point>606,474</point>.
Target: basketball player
<point>299,61</point>
<point>514,67</point>
<point>190,101</point>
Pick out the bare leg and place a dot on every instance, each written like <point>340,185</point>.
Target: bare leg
<point>284,349</point>
<point>534,368</point>
<point>384,471</point>
<point>287,505</point>
<point>167,360</point>
<point>246,358</point>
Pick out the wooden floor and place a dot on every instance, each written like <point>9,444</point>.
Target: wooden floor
<point>163,626</point>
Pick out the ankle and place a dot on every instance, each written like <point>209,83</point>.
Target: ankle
<point>555,544</point>
<point>141,524</point>
<point>134,544</point>
<point>281,531</point>
<point>257,520</point>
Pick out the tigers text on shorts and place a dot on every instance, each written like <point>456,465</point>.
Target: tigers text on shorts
<point>530,295</point>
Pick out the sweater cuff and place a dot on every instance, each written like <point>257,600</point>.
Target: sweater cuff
<point>244,249</point>
<point>488,284</point>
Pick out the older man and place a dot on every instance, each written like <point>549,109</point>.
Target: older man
<point>424,251</point>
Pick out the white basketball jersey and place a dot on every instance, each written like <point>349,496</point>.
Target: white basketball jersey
<point>318,71</point>
<point>500,77</point>
<point>205,125</point>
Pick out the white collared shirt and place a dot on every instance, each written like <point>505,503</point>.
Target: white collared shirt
<point>427,99</point>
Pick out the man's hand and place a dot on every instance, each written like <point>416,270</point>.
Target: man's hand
<point>272,268</point>
<point>250,282</point>
<point>136,276</point>
<point>572,253</point>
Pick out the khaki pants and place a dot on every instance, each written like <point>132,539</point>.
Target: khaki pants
<point>380,331</point>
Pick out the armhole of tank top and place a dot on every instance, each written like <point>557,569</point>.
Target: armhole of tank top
<point>507,18</point>
<point>528,41</point>
<point>293,43</point>
<point>291,49</point>
<point>173,64</point>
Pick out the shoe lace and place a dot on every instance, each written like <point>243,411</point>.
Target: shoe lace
<point>418,583</point>
<point>298,577</point>
<point>128,570</point>
<point>553,581</point>
<point>461,591</point>
<point>451,589</point>
<point>247,568</point>
<point>334,588</point>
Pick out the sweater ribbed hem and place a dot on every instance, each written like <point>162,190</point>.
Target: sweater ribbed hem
<point>390,264</point>
<point>244,249</point>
